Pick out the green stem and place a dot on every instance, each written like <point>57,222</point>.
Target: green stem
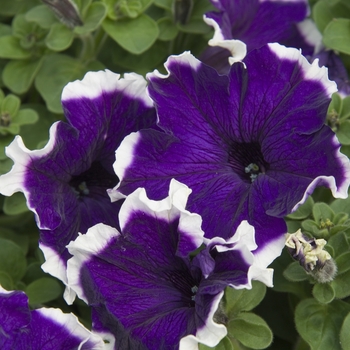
<point>100,39</point>
<point>87,53</point>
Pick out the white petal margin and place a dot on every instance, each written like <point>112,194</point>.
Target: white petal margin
<point>167,209</point>
<point>55,266</point>
<point>337,191</point>
<point>73,326</point>
<point>237,48</point>
<point>123,158</point>
<point>94,84</point>
<point>186,58</point>
<point>210,334</point>
<point>311,71</point>
<point>244,241</point>
<point>14,180</point>
<point>83,248</point>
<point>311,34</point>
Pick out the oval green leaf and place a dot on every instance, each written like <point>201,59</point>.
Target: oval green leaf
<point>134,35</point>
<point>56,72</point>
<point>251,330</point>
<point>18,76</point>
<point>10,48</point>
<point>319,324</point>
<point>43,290</point>
<point>60,37</point>
<point>12,259</point>
<point>323,292</point>
<point>336,35</point>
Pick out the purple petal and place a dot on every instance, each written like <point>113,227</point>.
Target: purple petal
<point>45,329</point>
<point>336,70</point>
<point>140,282</point>
<point>65,183</point>
<point>257,23</point>
<point>248,144</point>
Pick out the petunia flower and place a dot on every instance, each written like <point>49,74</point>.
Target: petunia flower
<point>252,145</point>
<point>244,25</point>
<point>142,283</point>
<point>44,329</point>
<point>65,183</point>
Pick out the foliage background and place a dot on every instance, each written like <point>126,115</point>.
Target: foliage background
<point>42,48</point>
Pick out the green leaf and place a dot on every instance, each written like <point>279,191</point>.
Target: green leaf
<point>10,105</point>
<point>134,35</point>
<point>251,330</point>
<point>196,24</point>
<point>6,281</point>
<point>96,13</point>
<point>303,211</point>
<point>10,48</point>
<point>16,204</point>
<point>225,344</point>
<point>345,334</point>
<point>319,324</point>
<point>12,259</point>
<point>18,76</point>
<point>59,38</point>
<point>341,285</point>
<point>33,136</point>
<point>164,4</point>
<point>345,111</point>
<point>145,62</point>
<point>325,11</point>
<point>322,212</point>
<point>43,290</point>
<point>340,205</point>
<point>83,5</point>
<point>13,7</point>
<point>26,116</point>
<point>336,103</point>
<point>295,273</point>
<point>339,243</point>
<point>343,132</point>
<point>20,239</point>
<point>343,262</point>
<point>310,226</point>
<point>33,273</point>
<point>336,35</point>
<point>5,29</point>
<point>237,300</point>
<point>323,292</point>
<point>56,72</point>
<point>167,29</point>
<point>4,142</point>
<point>41,15</point>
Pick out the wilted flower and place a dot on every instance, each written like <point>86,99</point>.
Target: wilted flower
<point>311,255</point>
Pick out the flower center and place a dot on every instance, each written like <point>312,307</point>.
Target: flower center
<point>93,181</point>
<point>185,283</point>
<point>247,161</point>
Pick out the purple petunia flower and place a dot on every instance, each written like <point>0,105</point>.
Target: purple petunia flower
<point>65,183</point>
<point>252,145</point>
<point>44,329</point>
<point>244,25</point>
<point>142,284</point>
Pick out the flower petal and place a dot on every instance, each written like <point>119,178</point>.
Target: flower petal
<point>65,183</point>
